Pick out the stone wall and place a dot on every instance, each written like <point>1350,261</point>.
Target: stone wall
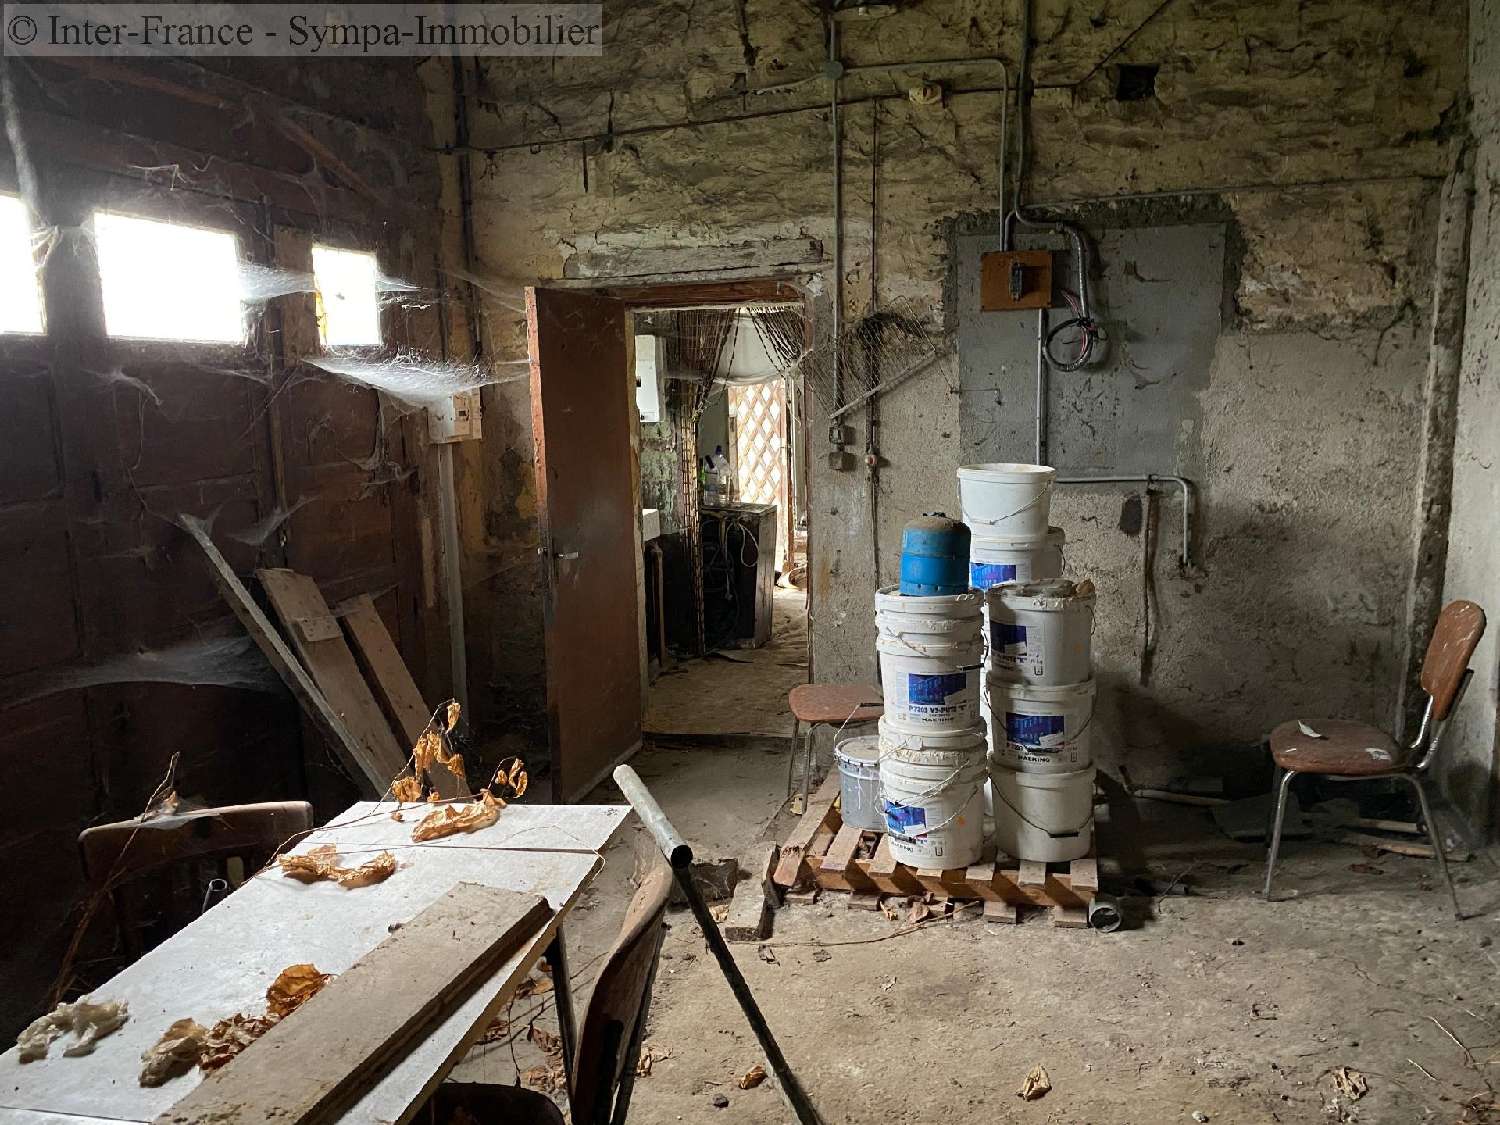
<point>1468,764</point>
<point>1318,135</point>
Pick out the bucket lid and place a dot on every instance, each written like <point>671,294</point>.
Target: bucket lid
<point>1006,471</point>
<point>1042,693</point>
<point>864,749</point>
<point>1042,593</point>
<point>1054,537</point>
<point>968,739</point>
<point>890,599</point>
<point>936,522</point>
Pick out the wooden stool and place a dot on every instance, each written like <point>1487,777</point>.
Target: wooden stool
<point>838,704</point>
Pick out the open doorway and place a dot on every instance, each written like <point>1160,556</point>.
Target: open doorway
<point>723,496</point>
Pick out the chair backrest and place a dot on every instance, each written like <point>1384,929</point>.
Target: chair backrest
<point>158,870</point>
<point>617,1007</point>
<point>1454,639</point>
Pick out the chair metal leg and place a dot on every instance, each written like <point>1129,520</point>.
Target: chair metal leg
<point>1437,841</point>
<point>791,758</point>
<point>807,762</point>
<point>1286,784</point>
<point>562,995</point>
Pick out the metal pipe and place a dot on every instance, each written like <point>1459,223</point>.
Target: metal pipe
<point>680,856</point>
<point>1185,558</point>
<point>453,582</point>
<point>1041,386</point>
<point>838,212</point>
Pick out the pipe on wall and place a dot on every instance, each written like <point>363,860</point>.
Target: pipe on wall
<point>1184,558</point>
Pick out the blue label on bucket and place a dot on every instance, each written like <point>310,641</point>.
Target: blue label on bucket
<point>1007,638</point>
<point>902,819</point>
<point>1029,730</point>
<point>984,575</point>
<point>930,690</point>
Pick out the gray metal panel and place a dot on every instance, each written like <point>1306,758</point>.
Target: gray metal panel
<point>1158,291</point>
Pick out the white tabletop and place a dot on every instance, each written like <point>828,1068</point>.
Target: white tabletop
<point>223,962</point>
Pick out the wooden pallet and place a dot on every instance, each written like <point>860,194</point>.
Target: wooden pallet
<point>825,853</point>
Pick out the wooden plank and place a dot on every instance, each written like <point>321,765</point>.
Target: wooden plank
<point>749,917</point>
<point>1083,874</point>
<point>798,844</point>
<point>1004,912</point>
<point>836,871</point>
<point>862,901</point>
<point>888,876</point>
<point>317,1061</point>
<point>331,664</point>
<point>362,764</point>
<point>1032,874</point>
<point>392,682</point>
<point>1070,917</point>
<point>981,878</point>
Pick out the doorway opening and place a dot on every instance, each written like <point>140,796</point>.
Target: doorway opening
<point>724,529</point>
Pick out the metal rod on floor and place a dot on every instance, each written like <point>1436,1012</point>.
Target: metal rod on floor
<point>680,856</point>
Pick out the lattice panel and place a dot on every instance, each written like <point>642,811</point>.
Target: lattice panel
<point>760,441</point>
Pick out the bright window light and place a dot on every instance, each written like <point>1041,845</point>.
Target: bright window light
<point>163,281</point>
<point>348,300</point>
<point>20,297</point>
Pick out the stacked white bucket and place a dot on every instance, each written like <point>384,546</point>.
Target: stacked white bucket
<point>932,735</point>
<point>1038,685</point>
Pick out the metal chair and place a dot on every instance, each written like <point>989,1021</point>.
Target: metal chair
<point>163,872</point>
<point>826,703</point>
<point>1347,751</point>
<point>601,1074</point>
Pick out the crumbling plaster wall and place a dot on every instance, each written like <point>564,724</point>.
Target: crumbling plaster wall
<point>1318,132</point>
<point>1469,763</point>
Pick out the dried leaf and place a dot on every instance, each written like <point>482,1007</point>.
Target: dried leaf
<point>454,710</point>
<point>650,1056</point>
<point>176,1052</point>
<point>548,1079</point>
<point>552,1044</point>
<point>532,986</point>
<point>455,765</point>
<point>752,1077</point>
<point>229,1037</point>
<point>453,819</point>
<point>293,987</point>
<point>322,862</point>
<point>166,804</point>
<point>1036,1084</point>
<point>1351,1083</point>
<point>498,1029</point>
<point>406,789</point>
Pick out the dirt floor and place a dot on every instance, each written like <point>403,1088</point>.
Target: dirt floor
<point>1212,1006</point>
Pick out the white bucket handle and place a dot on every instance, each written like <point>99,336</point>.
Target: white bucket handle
<point>1073,835</point>
<point>942,786</point>
<point>1042,494</point>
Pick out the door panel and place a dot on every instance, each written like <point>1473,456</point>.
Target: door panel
<point>581,421</point>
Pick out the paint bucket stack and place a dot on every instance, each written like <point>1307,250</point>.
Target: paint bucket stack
<point>1038,687</point>
<point>932,737</point>
<point>1039,694</point>
<point>1006,506</point>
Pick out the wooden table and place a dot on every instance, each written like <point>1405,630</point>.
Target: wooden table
<point>222,963</point>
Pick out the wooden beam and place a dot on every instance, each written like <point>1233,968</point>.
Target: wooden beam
<point>362,765</point>
<point>296,597</point>
<point>392,682</point>
<point>320,1059</point>
<point>799,845</point>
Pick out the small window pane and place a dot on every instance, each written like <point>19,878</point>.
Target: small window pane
<point>162,281</point>
<point>348,298</point>
<point>20,296</point>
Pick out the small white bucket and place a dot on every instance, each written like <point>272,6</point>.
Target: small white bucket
<point>934,811</point>
<point>953,747</point>
<point>931,652</point>
<point>1037,729</point>
<point>1041,632</point>
<point>858,761</point>
<point>1006,499</point>
<point>1046,817</point>
<point>993,560</point>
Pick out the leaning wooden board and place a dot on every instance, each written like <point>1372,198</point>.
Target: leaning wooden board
<point>309,1067</point>
<point>319,641</point>
<point>392,682</point>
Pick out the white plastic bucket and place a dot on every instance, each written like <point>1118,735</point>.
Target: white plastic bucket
<point>1046,817</point>
<point>931,652</point>
<point>934,811</point>
<point>1006,499</point>
<point>1040,632</point>
<point>1038,729</point>
<point>858,761</point>
<point>952,747</point>
<point>993,560</point>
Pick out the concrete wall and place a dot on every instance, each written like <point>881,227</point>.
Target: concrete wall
<point>1474,545</point>
<point>1315,136</point>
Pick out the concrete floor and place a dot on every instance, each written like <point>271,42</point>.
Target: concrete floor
<point>1216,1003</point>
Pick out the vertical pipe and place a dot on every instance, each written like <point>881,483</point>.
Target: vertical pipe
<point>1041,386</point>
<point>838,213</point>
<point>453,584</point>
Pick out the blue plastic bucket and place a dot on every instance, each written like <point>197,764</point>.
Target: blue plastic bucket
<point>934,557</point>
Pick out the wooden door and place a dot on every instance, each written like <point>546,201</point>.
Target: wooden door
<point>581,415</point>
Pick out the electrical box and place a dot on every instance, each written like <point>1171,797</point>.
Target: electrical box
<point>1015,279</point>
<point>454,419</point>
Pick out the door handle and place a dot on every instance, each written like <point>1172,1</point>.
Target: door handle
<point>565,555</point>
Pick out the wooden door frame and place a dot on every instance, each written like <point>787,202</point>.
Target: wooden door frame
<point>645,294</point>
